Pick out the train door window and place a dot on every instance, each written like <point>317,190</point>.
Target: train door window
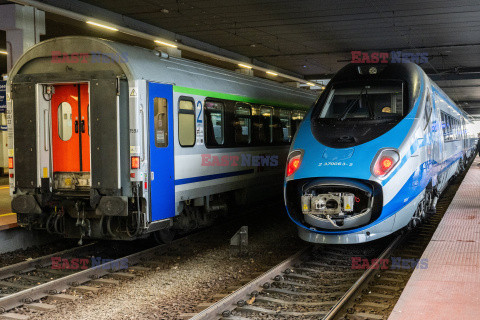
<point>265,129</point>
<point>242,124</point>
<point>160,109</point>
<point>65,121</point>
<point>186,122</point>
<point>285,126</point>
<point>214,123</point>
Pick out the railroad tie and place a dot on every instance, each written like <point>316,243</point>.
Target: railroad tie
<point>41,306</point>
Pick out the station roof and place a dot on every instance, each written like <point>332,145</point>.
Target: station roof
<point>314,39</point>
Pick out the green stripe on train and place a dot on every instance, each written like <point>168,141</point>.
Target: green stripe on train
<point>234,97</point>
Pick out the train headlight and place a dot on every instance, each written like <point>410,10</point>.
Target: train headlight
<point>293,162</point>
<point>384,162</point>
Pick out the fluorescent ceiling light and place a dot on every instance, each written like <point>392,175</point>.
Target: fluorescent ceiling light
<point>311,84</point>
<point>101,25</point>
<point>3,52</point>
<point>166,44</point>
<point>272,73</point>
<point>244,66</point>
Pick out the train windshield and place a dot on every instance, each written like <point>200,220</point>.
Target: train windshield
<point>367,102</point>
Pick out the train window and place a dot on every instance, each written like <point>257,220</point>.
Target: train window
<point>263,126</point>
<point>214,123</point>
<point>444,126</point>
<point>186,122</point>
<point>160,109</point>
<point>297,117</point>
<point>64,118</point>
<point>368,102</point>
<point>285,126</point>
<point>242,124</point>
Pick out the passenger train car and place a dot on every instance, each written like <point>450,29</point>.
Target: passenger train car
<point>374,153</point>
<point>113,141</point>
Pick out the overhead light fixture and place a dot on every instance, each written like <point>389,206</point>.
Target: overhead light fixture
<point>244,66</point>
<point>272,73</point>
<point>323,87</point>
<point>311,84</point>
<point>3,52</point>
<point>102,26</point>
<point>165,44</point>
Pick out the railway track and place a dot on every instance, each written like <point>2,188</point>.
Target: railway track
<point>24,283</point>
<point>320,283</point>
<point>31,280</point>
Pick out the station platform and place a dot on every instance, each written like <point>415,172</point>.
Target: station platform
<point>8,219</point>
<point>450,287</point>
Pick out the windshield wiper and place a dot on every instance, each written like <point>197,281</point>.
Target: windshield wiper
<point>350,106</point>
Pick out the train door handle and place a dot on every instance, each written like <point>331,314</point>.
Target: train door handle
<point>76,126</point>
<point>82,126</point>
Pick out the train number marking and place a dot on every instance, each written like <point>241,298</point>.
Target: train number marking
<point>200,106</point>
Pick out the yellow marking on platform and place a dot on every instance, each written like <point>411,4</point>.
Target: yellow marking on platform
<point>5,187</point>
<point>7,214</point>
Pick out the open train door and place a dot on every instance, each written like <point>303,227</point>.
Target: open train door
<point>162,180</point>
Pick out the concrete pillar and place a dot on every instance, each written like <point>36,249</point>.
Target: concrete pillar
<point>23,26</point>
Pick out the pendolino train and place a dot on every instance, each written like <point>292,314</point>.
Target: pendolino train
<point>113,141</point>
<point>374,153</point>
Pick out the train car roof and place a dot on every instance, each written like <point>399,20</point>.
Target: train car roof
<point>140,63</point>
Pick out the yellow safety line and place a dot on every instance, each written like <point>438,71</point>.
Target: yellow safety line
<point>7,214</point>
<point>5,187</point>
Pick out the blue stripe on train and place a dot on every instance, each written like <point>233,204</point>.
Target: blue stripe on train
<point>212,177</point>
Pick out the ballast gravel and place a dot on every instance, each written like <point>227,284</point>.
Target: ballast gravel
<point>190,274</point>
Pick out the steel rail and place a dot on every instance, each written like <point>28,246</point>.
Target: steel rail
<point>55,286</point>
<point>228,303</point>
<point>353,289</point>
<point>11,270</point>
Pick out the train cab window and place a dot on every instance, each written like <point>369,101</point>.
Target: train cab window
<point>160,109</point>
<point>242,124</point>
<point>285,126</point>
<point>186,122</point>
<point>214,123</point>
<point>65,121</point>
<point>368,102</point>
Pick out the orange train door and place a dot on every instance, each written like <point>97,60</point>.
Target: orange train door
<point>70,131</point>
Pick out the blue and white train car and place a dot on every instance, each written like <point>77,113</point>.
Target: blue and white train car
<point>113,141</point>
<point>374,153</point>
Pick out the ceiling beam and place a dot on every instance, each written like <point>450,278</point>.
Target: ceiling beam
<point>347,52</point>
<point>81,11</point>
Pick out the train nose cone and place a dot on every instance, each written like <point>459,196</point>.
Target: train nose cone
<point>331,154</point>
